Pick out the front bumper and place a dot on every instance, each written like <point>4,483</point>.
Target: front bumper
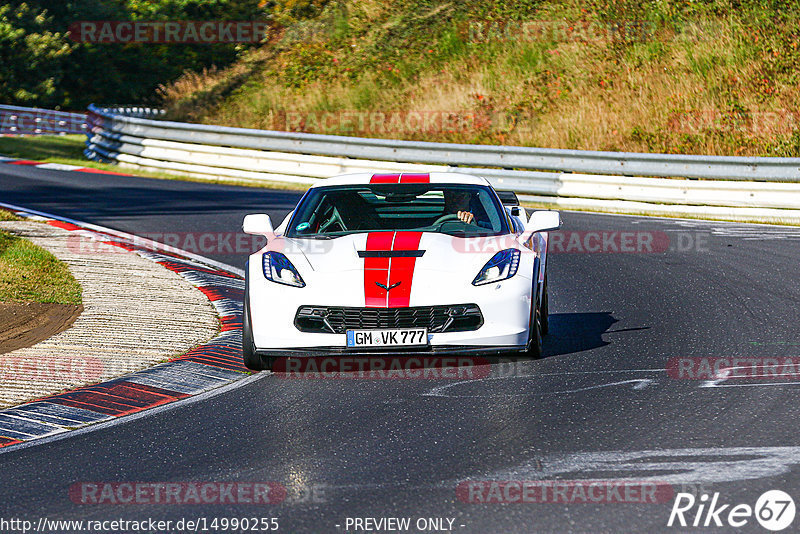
<point>441,350</point>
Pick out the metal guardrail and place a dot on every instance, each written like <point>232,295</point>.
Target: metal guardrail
<point>731,187</point>
<point>16,120</point>
<point>509,157</point>
<point>138,112</point>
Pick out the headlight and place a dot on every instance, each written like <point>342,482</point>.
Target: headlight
<point>279,269</point>
<point>502,266</point>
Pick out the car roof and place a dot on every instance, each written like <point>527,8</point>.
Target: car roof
<point>406,177</point>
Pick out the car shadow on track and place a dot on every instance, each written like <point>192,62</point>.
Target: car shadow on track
<point>576,332</point>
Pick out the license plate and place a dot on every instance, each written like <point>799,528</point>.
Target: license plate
<point>395,337</point>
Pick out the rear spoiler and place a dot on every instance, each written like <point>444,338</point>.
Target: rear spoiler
<point>508,198</point>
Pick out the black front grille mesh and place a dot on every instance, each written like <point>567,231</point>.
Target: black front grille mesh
<point>337,320</point>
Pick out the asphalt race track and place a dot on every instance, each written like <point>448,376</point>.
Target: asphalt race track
<point>604,404</point>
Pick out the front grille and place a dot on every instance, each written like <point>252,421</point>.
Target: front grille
<point>337,320</point>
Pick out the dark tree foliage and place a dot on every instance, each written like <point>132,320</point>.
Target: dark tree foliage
<point>41,66</point>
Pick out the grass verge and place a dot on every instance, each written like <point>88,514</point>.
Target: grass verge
<point>31,274</point>
<point>712,77</point>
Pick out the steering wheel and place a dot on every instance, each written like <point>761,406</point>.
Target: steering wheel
<point>445,218</point>
<point>335,219</point>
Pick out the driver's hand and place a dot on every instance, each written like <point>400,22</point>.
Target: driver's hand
<point>466,216</point>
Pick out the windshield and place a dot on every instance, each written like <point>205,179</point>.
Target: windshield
<point>341,210</point>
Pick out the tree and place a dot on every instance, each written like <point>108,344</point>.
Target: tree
<point>31,57</point>
<point>40,65</point>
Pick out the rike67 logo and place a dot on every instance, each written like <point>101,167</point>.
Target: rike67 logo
<point>774,510</point>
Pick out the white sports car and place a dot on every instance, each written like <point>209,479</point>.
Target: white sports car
<point>400,264</point>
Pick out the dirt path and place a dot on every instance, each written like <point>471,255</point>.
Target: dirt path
<point>136,313</point>
<point>23,324</point>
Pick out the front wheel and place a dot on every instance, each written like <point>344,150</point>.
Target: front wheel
<point>252,360</point>
<point>545,313</point>
<point>534,348</point>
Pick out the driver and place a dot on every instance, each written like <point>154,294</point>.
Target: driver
<point>458,202</point>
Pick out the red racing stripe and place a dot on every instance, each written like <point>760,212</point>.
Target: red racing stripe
<point>407,178</point>
<point>376,270</point>
<point>389,271</point>
<point>402,269</point>
<point>385,179</point>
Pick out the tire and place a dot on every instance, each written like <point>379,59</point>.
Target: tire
<point>251,360</point>
<point>545,313</point>
<point>534,348</point>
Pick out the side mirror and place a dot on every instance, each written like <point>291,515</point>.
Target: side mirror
<point>540,221</point>
<point>258,224</point>
<point>543,221</point>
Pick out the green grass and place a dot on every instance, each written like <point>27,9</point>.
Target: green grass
<point>64,148</point>
<point>31,274</point>
<point>8,216</point>
<point>729,66</point>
